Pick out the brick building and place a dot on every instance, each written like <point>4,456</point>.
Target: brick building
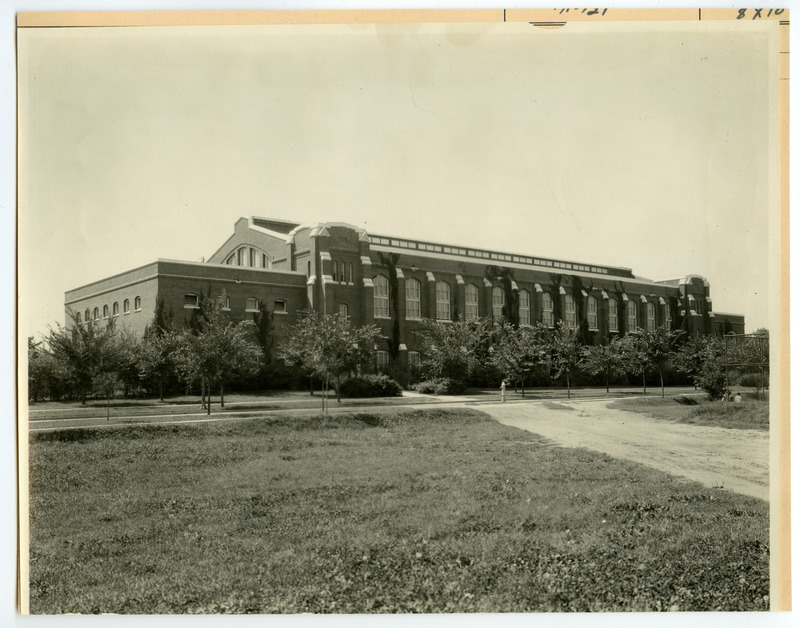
<point>338,268</point>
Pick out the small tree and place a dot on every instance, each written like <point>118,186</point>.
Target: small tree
<point>218,350</point>
<point>604,359</point>
<point>635,360</point>
<point>157,359</point>
<point>565,352</point>
<point>658,348</point>
<point>84,351</point>
<point>518,351</point>
<point>328,347</point>
<point>447,349</point>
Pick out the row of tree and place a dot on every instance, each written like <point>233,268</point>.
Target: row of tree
<point>213,350</point>
<point>100,360</point>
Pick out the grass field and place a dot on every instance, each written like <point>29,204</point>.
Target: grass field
<point>751,414</point>
<point>434,511</point>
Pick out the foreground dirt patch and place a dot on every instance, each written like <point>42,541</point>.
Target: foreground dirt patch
<point>737,460</point>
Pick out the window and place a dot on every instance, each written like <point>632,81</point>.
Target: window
<point>265,262</point>
<point>471,302</point>
<point>547,310</point>
<point>381,298</point>
<point>78,318</point>
<point>498,302</point>
<point>253,258</point>
<point>524,307</point>
<point>241,260</point>
<point>667,317</point>
<point>571,314</point>
<point>382,360</point>
<point>413,359</point>
<point>137,304</point>
<point>115,309</point>
<point>105,311</point>
<point>230,259</point>
<point>633,323</point>
<point>613,319</point>
<point>592,313</point>
<point>190,301</point>
<point>308,268</point>
<point>96,314</point>
<point>349,272</point>
<point>651,317</point>
<point>442,301</point>
<point>86,315</point>
<point>413,291</point>
<point>335,271</point>
<point>226,302</point>
<point>343,312</point>
<point>251,305</point>
<point>278,306</point>
<point>126,307</point>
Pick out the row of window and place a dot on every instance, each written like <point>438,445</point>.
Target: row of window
<point>94,315</point>
<point>505,257</point>
<point>248,256</point>
<point>342,272</point>
<point>414,308</point>
<point>252,304</point>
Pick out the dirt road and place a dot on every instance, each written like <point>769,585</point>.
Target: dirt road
<point>736,460</point>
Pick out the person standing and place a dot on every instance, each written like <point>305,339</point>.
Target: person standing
<point>503,391</point>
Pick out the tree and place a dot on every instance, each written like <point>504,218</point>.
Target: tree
<point>45,375</point>
<point>506,278</point>
<point>218,350</point>
<point>604,359</point>
<point>518,351</point>
<point>84,351</point>
<point>448,349</point>
<point>634,357</point>
<point>658,348</point>
<point>327,346</point>
<point>565,352</point>
<point>157,359</point>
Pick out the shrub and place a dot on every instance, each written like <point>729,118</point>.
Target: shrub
<point>370,386</point>
<point>440,386</point>
<point>753,380</point>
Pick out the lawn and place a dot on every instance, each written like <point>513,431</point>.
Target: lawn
<point>407,511</point>
<point>751,414</point>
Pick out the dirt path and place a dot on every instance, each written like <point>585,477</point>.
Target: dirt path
<point>736,460</point>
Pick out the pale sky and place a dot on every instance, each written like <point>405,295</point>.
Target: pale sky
<point>609,144</point>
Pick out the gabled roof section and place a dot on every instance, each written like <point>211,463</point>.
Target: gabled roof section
<point>273,224</point>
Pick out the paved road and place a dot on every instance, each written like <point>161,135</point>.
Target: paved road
<point>736,460</point>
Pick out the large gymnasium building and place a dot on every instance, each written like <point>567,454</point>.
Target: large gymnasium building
<point>338,268</point>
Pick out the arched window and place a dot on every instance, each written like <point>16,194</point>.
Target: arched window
<point>241,257</point>
<point>78,318</point>
<point>115,309</point>
<point>442,301</point>
<point>569,307</point>
<point>524,307</point>
<point>591,309</point>
<point>667,317</point>
<point>413,304</point>
<point>381,299</point>
<point>471,302</point>
<point>651,317</point>
<point>86,315</point>
<point>226,302</point>
<point>633,323</point>
<point>137,304</point>
<point>96,314</point>
<point>547,309</point>
<point>613,317</point>
<point>105,311</point>
<point>126,306</point>
<point>343,310</point>
<point>498,302</point>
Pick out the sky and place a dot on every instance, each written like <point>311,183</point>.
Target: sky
<point>610,144</point>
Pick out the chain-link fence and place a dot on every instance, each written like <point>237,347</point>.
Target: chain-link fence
<point>746,361</point>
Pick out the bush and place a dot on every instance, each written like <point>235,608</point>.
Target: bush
<point>370,386</point>
<point>753,380</point>
<point>440,386</point>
